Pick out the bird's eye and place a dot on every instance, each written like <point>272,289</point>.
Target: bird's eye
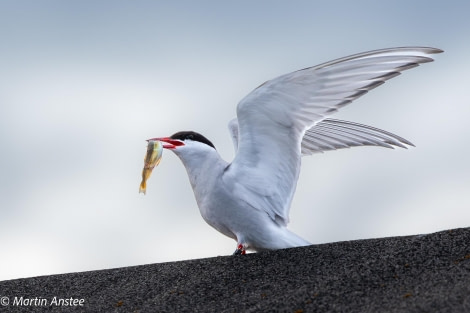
<point>191,136</point>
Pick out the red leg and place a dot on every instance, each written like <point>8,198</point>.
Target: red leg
<point>240,250</point>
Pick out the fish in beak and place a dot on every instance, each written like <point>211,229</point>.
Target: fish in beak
<point>152,159</point>
<point>154,155</point>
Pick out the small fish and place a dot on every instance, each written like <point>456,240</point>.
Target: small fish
<point>152,158</point>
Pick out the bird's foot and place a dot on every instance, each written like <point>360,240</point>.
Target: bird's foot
<point>240,250</point>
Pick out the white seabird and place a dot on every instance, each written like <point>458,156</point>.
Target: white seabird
<point>277,123</point>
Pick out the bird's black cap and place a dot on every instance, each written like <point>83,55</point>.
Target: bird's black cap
<point>192,136</point>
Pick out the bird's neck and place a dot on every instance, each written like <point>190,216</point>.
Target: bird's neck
<point>203,168</point>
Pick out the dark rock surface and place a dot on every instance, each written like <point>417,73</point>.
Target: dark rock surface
<point>423,273</point>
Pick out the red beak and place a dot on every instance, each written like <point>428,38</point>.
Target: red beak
<point>168,142</point>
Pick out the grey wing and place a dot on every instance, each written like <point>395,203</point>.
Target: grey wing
<point>333,134</point>
<point>274,117</point>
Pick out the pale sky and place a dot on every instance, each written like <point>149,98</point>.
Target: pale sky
<point>84,83</point>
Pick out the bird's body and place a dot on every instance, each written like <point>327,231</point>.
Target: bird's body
<point>213,183</point>
<point>277,123</point>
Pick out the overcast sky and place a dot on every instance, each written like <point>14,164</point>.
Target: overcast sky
<point>84,83</point>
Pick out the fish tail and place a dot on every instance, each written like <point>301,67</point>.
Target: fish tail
<point>143,187</point>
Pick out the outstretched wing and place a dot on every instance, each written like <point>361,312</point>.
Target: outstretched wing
<point>331,134</point>
<point>274,117</point>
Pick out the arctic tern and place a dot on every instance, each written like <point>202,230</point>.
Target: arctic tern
<point>277,123</point>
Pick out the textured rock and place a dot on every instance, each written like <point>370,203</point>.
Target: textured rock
<point>423,273</point>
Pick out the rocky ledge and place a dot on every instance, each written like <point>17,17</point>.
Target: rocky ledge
<point>421,273</point>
